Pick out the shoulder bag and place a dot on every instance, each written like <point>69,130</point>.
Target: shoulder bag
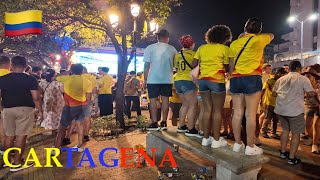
<point>235,63</point>
<point>194,74</point>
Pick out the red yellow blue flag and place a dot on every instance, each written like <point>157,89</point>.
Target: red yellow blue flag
<point>22,23</point>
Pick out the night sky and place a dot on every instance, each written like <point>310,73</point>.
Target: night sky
<point>194,17</point>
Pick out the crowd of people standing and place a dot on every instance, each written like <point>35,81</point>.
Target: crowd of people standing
<point>222,68</point>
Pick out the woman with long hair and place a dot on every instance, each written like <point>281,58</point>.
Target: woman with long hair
<point>246,82</point>
<point>185,88</point>
<point>213,59</point>
<point>53,101</point>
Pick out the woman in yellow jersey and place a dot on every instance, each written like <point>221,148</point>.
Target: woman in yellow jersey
<point>185,88</point>
<point>213,58</point>
<point>246,82</point>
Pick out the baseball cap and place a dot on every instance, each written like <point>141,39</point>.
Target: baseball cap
<point>163,33</point>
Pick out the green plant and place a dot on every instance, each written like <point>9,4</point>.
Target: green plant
<point>104,126</point>
<point>142,123</point>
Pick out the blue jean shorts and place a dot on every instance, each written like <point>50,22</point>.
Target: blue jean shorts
<point>71,113</point>
<point>246,85</point>
<point>183,87</point>
<point>205,85</point>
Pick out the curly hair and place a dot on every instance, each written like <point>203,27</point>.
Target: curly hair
<point>219,34</point>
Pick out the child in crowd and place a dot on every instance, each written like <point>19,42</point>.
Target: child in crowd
<point>175,105</point>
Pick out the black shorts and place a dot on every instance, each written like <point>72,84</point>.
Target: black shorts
<point>156,90</point>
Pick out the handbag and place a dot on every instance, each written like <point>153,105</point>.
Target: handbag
<point>194,74</point>
<point>235,63</point>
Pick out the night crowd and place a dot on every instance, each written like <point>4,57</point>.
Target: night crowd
<point>224,90</point>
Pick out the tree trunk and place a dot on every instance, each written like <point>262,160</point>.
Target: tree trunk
<point>120,87</point>
<point>122,66</point>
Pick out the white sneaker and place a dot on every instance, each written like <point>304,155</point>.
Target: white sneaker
<point>80,149</point>
<point>253,151</point>
<point>238,147</point>
<point>207,142</point>
<point>1,153</point>
<point>216,144</point>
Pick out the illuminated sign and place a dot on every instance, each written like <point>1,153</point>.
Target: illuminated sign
<point>94,60</point>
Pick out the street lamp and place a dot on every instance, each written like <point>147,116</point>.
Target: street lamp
<point>154,26</point>
<point>114,20</point>
<point>311,17</point>
<point>135,11</point>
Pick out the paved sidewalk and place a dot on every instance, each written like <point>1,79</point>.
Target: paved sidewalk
<point>276,169</point>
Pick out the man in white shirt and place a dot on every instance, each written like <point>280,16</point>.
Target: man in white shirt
<point>158,75</point>
<point>290,90</point>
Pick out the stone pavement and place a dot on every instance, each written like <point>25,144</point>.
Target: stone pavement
<point>188,162</point>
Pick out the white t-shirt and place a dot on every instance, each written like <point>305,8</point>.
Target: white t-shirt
<point>160,55</point>
<point>290,91</point>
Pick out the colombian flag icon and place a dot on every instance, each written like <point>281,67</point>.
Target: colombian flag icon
<point>22,23</point>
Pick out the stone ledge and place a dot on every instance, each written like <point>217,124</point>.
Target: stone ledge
<point>236,162</point>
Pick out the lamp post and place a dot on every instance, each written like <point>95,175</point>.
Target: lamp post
<point>114,20</point>
<point>135,11</point>
<point>154,26</point>
<point>311,17</point>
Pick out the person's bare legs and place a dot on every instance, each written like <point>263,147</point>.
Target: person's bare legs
<point>295,140</point>
<point>192,101</point>
<point>165,108</point>
<point>238,106</point>
<point>153,109</point>
<point>207,111</point>
<point>252,103</point>
<point>80,128</point>
<point>2,134</point>
<point>217,108</point>
<point>8,143</point>
<point>316,131</point>
<point>284,140</point>
<point>61,134</point>
<point>200,112</point>
<point>71,129</point>
<point>309,123</point>
<point>87,125</point>
<point>183,110</point>
<point>20,143</point>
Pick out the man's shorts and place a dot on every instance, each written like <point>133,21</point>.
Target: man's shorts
<point>88,109</point>
<point>156,90</point>
<point>205,85</point>
<point>71,113</point>
<point>18,121</point>
<point>295,124</point>
<point>246,85</point>
<point>175,108</point>
<point>183,87</point>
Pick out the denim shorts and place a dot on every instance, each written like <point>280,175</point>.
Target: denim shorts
<point>205,85</point>
<point>183,87</point>
<point>71,113</point>
<point>246,85</point>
